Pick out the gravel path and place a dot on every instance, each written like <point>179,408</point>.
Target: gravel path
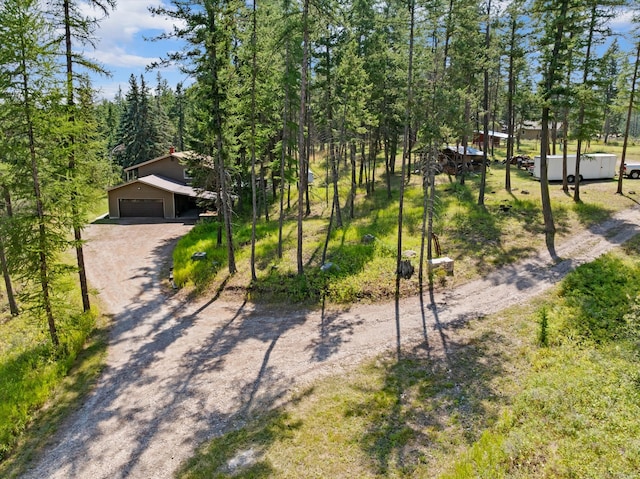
<point>178,374</point>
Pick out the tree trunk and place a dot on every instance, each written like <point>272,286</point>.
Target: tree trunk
<point>225,201</point>
<point>406,146</point>
<point>352,195</point>
<point>510,109</point>
<point>77,231</point>
<point>585,78</point>
<point>264,191</point>
<point>13,305</point>
<point>254,200</point>
<point>485,116</point>
<point>11,299</point>
<point>565,128</point>
<point>465,142</point>
<point>373,153</point>
<point>549,83</point>
<point>629,112</point>
<point>302,159</point>
<point>333,157</point>
<point>283,156</point>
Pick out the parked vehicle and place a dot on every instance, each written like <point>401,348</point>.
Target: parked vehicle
<point>522,161</point>
<point>595,166</point>
<point>632,170</point>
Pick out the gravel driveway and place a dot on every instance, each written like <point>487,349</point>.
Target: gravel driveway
<point>178,374</point>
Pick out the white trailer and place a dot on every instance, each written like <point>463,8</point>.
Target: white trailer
<point>594,166</point>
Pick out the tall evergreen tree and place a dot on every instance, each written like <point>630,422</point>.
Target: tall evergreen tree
<point>31,102</point>
<point>629,112</point>
<point>485,105</point>
<point>303,158</point>
<point>608,79</point>
<point>515,54</point>
<point>77,28</point>
<point>208,27</point>
<point>141,134</point>
<point>178,113</point>
<point>406,148</point>
<point>588,119</point>
<point>556,17</point>
<point>254,74</point>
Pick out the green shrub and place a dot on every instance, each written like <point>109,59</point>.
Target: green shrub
<point>543,338</point>
<point>600,296</point>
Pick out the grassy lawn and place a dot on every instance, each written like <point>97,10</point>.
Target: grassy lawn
<point>507,398</point>
<point>477,238</point>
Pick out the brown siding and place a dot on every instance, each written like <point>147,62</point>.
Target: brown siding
<point>139,190</point>
<point>169,168</point>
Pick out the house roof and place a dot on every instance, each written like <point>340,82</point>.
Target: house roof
<point>495,134</point>
<point>181,155</point>
<point>171,186</point>
<point>537,125</point>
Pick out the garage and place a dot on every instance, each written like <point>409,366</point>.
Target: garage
<point>153,196</point>
<point>141,207</point>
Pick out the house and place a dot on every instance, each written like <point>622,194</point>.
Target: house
<point>156,188</point>
<point>532,130</point>
<point>494,138</point>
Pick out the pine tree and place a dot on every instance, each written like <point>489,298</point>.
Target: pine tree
<point>142,130</point>
<point>515,54</point>
<point>177,114</point>
<point>588,120</point>
<point>608,78</point>
<point>485,104</point>
<point>629,112</point>
<point>77,28</point>
<point>303,158</point>
<point>209,29</point>
<point>163,129</point>
<point>31,104</point>
<point>254,74</point>
<point>406,144</point>
<point>127,149</point>
<point>556,17</point>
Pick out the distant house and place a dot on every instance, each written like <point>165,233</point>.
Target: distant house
<point>159,188</point>
<point>494,138</point>
<point>532,130</point>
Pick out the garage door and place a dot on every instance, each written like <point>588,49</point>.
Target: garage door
<point>141,207</point>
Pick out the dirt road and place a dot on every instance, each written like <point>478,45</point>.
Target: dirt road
<point>179,374</point>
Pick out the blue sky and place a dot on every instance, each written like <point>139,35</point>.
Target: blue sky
<point>121,47</point>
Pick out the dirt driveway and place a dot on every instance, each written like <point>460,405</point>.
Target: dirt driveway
<point>179,374</point>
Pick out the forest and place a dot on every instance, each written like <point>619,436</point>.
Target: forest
<point>374,88</point>
<point>367,92</point>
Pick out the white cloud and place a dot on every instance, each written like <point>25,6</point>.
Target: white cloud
<point>120,35</point>
<point>120,45</point>
<point>109,90</point>
<point>129,18</point>
<point>118,57</point>
<point>622,20</point>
